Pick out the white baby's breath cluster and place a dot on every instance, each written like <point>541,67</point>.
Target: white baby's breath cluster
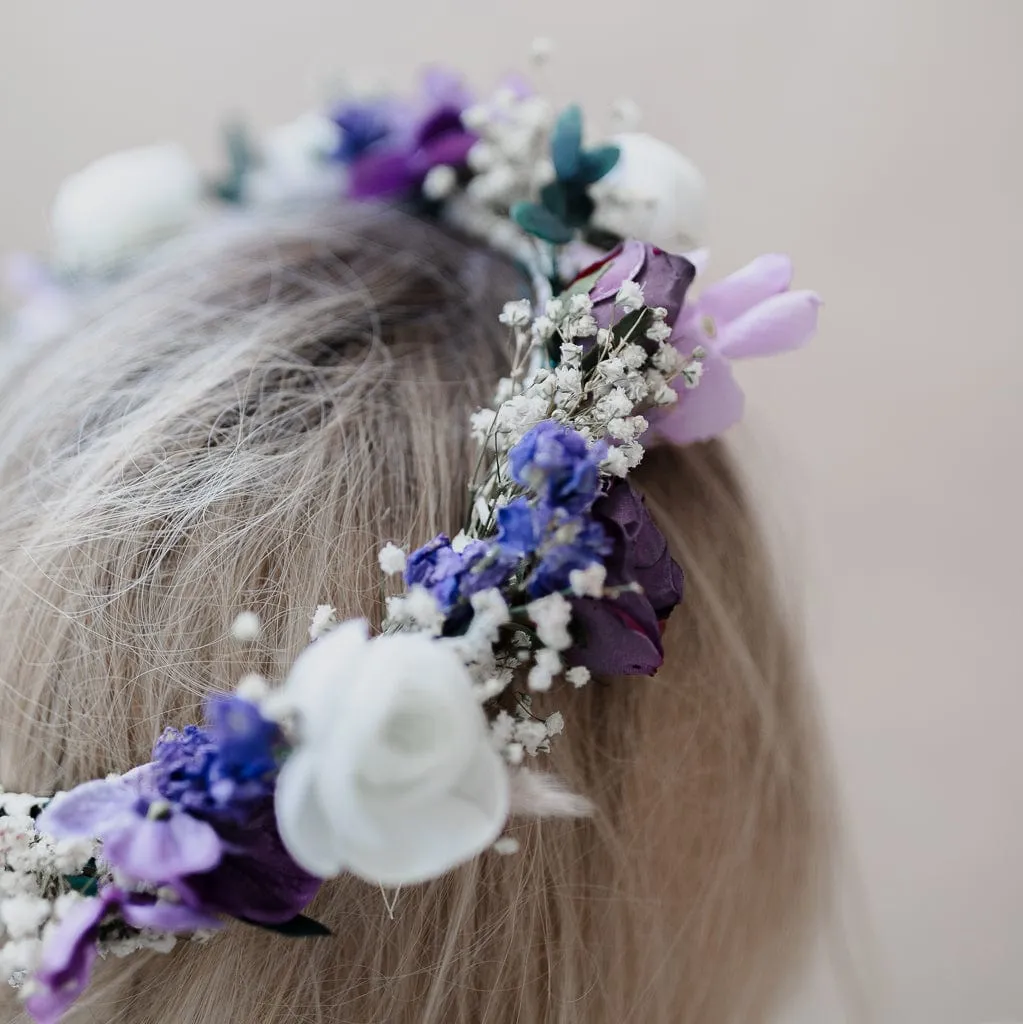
<point>33,895</point>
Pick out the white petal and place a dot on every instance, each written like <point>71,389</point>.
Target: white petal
<point>319,678</point>
<point>427,840</point>
<point>304,827</point>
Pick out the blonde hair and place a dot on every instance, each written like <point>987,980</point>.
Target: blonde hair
<point>241,425</point>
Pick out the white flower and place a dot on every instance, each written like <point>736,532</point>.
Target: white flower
<point>691,374</point>
<point>571,354</point>
<point>440,182</point>
<point>658,331</point>
<point>555,724</point>
<point>245,627</point>
<point>23,916</point>
<point>543,328</point>
<point>546,667</point>
<point>324,620</point>
<point>517,314</point>
<point>540,50</point>
<point>392,559</point>
<point>668,359</point>
<point>615,462</point>
<point>653,192</point>
<point>633,356</point>
<point>393,777</point>
<point>588,582</point>
<point>584,326</point>
<point>506,846</point>
<point>552,614</point>
<point>295,164</point>
<point>578,676</point>
<point>630,296</point>
<point>122,205</point>
<point>627,428</point>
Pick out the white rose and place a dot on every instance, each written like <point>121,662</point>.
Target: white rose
<point>393,776</point>
<point>653,194</point>
<point>121,205</point>
<point>295,163</point>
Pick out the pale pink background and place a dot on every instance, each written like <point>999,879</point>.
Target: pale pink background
<point>878,141</point>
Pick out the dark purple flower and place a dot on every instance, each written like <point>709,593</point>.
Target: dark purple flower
<point>143,834</point>
<point>398,163</point>
<point>256,879</point>
<point>664,278</point>
<point>623,635</point>
<point>69,951</point>
<point>558,465</point>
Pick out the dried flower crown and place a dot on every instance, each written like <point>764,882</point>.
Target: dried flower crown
<point>399,756</point>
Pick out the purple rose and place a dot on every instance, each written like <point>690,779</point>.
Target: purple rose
<point>663,277</point>
<point>623,635</point>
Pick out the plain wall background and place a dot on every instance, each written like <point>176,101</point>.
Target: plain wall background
<point>877,141</point>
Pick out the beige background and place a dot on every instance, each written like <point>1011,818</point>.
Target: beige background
<point>878,141</point>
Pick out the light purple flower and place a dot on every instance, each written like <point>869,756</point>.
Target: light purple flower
<point>750,313</point>
<point>143,835</point>
<point>69,951</point>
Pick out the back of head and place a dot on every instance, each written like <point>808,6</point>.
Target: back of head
<point>240,425</point>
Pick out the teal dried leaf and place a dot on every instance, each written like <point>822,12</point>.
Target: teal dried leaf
<point>596,163</point>
<point>554,198</point>
<point>85,885</point>
<point>567,143</point>
<point>579,206</point>
<point>539,221</point>
<point>300,927</point>
<point>241,158</point>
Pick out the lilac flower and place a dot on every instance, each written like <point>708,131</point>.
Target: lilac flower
<point>623,634</point>
<point>70,950</point>
<point>557,464</point>
<point>750,313</point>
<point>396,163</point>
<point>143,835</point>
<point>664,278</point>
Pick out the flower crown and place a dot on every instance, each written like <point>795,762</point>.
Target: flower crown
<point>398,756</point>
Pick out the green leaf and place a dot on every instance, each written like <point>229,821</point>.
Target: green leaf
<point>579,206</point>
<point>539,221</point>
<point>596,163</point>
<point>85,885</point>
<point>567,142</point>
<point>586,284</point>
<point>300,927</point>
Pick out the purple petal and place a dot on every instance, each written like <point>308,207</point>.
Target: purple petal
<point>451,148</point>
<point>379,175</point>
<point>442,87</point>
<point>622,637</point>
<point>68,955</point>
<point>705,411</point>
<point>781,323</point>
<point>159,851</point>
<point>163,916</point>
<point>88,811</point>
<point>759,280</point>
<point>626,264</point>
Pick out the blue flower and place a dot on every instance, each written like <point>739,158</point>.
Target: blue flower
<point>454,576</point>
<point>363,125</point>
<point>558,465</point>
<point>571,543</point>
<point>219,771</point>
<point>518,528</point>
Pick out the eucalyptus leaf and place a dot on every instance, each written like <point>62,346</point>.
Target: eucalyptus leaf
<point>241,158</point>
<point>554,198</point>
<point>300,927</point>
<point>567,142</point>
<point>596,163</point>
<point>539,221</point>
